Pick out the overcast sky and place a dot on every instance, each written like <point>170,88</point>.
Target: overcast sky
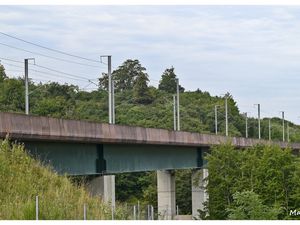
<point>251,52</point>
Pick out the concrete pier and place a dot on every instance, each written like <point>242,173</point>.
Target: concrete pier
<point>199,194</point>
<point>104,187</point>
<point>166,194</point>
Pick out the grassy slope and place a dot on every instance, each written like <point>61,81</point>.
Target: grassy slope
<point>22,178</point>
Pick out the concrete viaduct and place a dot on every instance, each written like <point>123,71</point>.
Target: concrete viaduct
<point>100,150</point>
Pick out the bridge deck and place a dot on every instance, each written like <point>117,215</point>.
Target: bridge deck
<point>27,127</point>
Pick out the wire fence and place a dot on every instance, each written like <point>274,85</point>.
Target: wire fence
<point>141,212</point>
<point>129,212</point>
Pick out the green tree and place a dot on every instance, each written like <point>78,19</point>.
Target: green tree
<point>247,205</point>
<point>266,170</point>
<point>224,164</point>
<point>125,76</point>
<point>295,195</point>
<point>131,186</point>
<point>55,106</point>
<point>183,191</point>
<point>2,73</point>
<point>150,192</point>
<point>168,81</point>
<point>12,96</point>
<point>141,94</point>
<point>103,82</point>
<point>55,89</point>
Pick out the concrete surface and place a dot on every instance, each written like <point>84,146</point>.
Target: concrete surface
<point>166,199</point>
<point>199,194</point>
<point>183,217</point>
<point>104,187</point>
<point>27,127</point>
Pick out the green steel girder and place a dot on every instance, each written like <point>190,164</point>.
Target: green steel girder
<point>88,159</point>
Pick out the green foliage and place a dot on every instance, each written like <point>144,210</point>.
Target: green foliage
<point>141,94</point>
<point>23,178</point>
<point>103,82</point>
<point>2,73</point>
<point>131,186</point>
<point>268,171</point>
<point>12,96</point>
<point>248,206</point>
<point>55,89</point>
<point>55,106</point>
<point>223,167</point>
<point>183,189</point>
<point>125,76</point>
<point>168,82</point>
<point>130,76</point>
<point>150,192</point>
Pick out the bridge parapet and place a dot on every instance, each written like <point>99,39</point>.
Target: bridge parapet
<point>28,127</point>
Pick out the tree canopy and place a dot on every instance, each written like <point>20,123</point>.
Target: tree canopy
<point>247,205</point>
<point>141,93</point>
<point>125,75</point>
<point>168,81</point>
<point>261,182</point>
<point>2,73</point>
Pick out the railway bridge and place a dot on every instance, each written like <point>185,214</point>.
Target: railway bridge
<point>101,150</point>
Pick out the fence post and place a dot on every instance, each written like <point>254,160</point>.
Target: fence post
<point>138,210</point>
<point>152,212</point>
<point>84,211</point>
<point>37,207</point>
<point>134,212</point>
<point>112,212</point>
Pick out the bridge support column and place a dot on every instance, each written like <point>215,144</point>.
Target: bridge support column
<point>166,199</point>
<point>104,187</point>
<point>199,194</point>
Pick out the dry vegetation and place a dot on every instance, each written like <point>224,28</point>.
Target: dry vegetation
<point>23,178</point>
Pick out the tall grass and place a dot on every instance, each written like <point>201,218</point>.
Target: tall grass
<point>22,178</point>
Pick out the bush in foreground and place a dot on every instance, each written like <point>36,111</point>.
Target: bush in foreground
<point>264,176</point>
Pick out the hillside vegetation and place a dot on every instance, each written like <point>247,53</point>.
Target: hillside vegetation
<point>23,178</point>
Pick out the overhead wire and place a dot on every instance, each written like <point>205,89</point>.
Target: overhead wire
<point>48,56</point>
<point>47,68</point>
<point>66,75</point>
<point>60,72</point>
<point>11,70</point>
<point>57,71</point>
<point>10,60</point>
<point>9,64</point>
<point>50,49</point>
<point>85,86</point>
<point>41,80</point>
<point>43,73</point>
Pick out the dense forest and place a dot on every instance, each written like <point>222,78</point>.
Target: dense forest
<point>139,104</point>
